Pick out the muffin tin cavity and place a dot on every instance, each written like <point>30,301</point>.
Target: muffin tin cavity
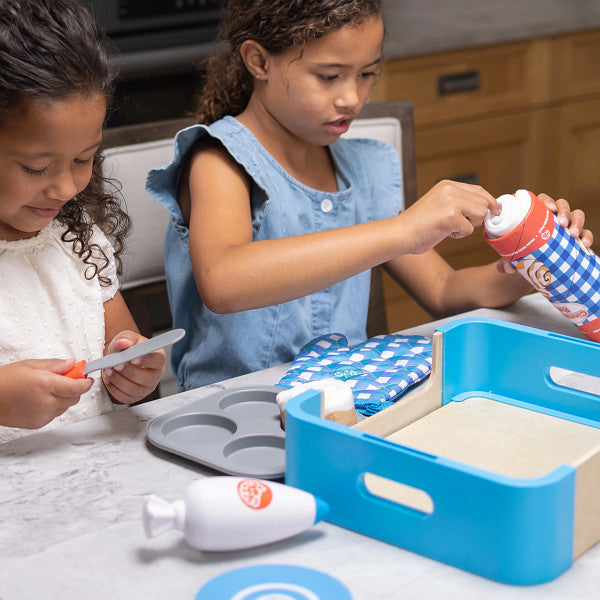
<point>244,453</point>
<point>199,429</point>
<point>253,405</point>
<point>235,431</point>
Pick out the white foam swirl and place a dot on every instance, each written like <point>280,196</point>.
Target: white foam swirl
<point>514,208</point>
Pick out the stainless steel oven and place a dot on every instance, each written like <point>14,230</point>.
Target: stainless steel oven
<point>160,43</point>
<point>158,34</point>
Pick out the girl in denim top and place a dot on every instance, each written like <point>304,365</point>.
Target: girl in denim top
<point>276,221</point>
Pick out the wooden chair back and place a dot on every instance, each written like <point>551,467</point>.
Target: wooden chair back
<point>391,122</point>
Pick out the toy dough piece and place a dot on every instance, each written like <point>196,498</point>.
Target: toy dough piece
<point>337,401</point>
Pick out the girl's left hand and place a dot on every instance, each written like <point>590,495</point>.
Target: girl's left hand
<point>133,381</point>
<point>574,220</point>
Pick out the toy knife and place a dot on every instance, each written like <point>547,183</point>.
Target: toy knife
<point>81,369</point>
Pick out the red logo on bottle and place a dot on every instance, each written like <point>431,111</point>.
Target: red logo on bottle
<point>255,494</point>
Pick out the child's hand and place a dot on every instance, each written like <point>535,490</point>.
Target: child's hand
<point>449,209</point>
<point>574,220</point>
<point>134,380</point>
<point>34,392</point>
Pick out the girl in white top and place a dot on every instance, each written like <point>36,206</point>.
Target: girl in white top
<point>61,231</point>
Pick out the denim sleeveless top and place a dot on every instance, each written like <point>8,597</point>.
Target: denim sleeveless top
<point>219,347</point>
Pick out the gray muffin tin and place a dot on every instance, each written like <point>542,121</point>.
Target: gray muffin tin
<point>236,431</point>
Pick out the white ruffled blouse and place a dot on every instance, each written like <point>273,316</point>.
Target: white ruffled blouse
<point>48,309</point>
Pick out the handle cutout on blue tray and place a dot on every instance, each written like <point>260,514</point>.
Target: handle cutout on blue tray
<point>575,381</point>
<point>399,493</point>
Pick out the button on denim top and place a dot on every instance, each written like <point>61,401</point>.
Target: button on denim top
<point>219,347</point>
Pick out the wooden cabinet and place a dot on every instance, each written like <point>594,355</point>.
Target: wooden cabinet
<point>576,151</point>
<point>462,84</point>
<point>519,115</point>
<point>576,65</point>
<point>575,125</point>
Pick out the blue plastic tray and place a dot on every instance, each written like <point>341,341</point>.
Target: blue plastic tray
<point>512,529</point>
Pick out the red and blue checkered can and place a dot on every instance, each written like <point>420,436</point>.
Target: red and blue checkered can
<point>558,265</point>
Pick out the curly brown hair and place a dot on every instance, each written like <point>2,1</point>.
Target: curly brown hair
<point>54,51</point>
<point>277,25</point>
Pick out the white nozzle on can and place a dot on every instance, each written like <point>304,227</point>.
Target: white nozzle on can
<point>514,209</point>
<point>159,515</point>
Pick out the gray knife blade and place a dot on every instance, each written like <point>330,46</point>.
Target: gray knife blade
<point>118,358</point>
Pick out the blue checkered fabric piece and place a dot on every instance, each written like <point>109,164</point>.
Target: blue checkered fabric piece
<point>575,272</point>
<point>379,370</point>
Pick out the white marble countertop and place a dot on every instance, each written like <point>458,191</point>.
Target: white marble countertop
<point>71,500</point>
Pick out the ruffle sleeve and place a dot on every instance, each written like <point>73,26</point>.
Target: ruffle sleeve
<point>162,182</point>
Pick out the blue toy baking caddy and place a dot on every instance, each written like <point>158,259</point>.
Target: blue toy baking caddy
<point>493,467</point>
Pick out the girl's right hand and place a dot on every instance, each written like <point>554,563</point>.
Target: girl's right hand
<point>448,209</point>
<point>34,392</point>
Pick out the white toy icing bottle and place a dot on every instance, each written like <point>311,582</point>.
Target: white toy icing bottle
<point>234,513</point>
<point>527,235</point>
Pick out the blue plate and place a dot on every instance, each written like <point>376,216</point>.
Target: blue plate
<point>284,582</point>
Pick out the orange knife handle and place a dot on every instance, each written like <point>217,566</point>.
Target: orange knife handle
<point>77,371</point>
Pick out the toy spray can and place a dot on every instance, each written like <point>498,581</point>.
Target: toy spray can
<point>559,266</point>
<point>234,513</point>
